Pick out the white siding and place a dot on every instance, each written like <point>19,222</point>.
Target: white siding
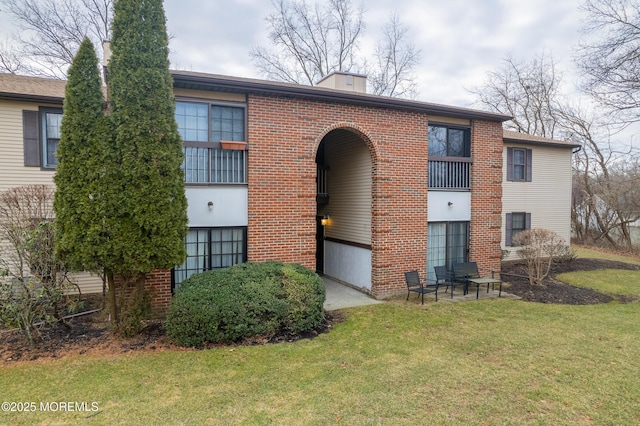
<point>12,170</point>
<point>88,283</point>
<point>547,197</point>
<point>348,264</point>
<point>349,183</point>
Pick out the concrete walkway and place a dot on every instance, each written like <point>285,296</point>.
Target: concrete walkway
<point>341,296</point>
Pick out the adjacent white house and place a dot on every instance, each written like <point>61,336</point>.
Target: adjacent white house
<point>536,186</point>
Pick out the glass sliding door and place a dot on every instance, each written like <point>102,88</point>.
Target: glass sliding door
<point>447,243</point>
<point>457,243</point>
<point>436,248</point>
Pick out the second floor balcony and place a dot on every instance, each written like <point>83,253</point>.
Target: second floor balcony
<point>450,173</point>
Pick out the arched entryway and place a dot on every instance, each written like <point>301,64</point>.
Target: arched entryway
<point>344,207</point>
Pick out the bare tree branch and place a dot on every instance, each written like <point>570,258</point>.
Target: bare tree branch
<point>52,31</point>
<point>11,60</point>
<point>396,59</point>
<point>610,59</point>
<point>312,41</point>
<point>527,91</point>
<point>605,202</point>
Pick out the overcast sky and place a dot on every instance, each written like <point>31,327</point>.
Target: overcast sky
<point>461,40</point>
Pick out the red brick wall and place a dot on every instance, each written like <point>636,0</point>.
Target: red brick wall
<point>486,196</point>
<point>158,283</point>
<point>283,137</point>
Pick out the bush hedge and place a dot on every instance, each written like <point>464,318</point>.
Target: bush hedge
<point>245,300</point>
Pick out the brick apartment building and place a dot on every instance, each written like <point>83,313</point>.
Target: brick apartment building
<point>358,187</point>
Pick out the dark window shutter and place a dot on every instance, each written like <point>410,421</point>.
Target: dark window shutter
<point>527,221</point>
<point>509,163</point>
<point>509,233</point>
<point>529,172</point>
<point>30,138</point>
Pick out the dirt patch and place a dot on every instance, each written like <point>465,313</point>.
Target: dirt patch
<point>554,291</point>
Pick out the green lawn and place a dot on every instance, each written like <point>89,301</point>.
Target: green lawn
<point>608,281</point>
<point>590,253</point>
<point>486,362</point>
<point>483,362</point>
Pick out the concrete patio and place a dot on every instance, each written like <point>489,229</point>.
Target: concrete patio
<point>340,296</point>
<point>458,295</point>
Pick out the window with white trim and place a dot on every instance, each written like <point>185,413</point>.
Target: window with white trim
<point>205,128</point>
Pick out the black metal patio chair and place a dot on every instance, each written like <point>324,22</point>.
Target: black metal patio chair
<point>445,278</point>
<point>414,284</point>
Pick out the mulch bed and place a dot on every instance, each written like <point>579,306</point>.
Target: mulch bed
<point>554,291</point>
<point>90,334</point>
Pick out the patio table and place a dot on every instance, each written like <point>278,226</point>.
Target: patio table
<point>488,281</point>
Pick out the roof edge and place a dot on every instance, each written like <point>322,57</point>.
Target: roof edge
<point>558,144</point>
<point>237,84</point>
<point>31,98</point>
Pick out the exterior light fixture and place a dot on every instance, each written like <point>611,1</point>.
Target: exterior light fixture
<point>210,204</point>
<point>325,220</point>
<point>449,203</point>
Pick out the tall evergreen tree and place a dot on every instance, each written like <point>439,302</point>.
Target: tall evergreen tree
<point>148,215</point>
<point>78,204</point>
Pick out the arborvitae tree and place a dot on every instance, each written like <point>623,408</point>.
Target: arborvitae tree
<point>148,216</point>
<point>79,203</point>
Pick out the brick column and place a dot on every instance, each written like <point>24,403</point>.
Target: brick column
<point>486,196</point>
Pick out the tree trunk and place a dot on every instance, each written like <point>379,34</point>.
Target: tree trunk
<point>113,300</point>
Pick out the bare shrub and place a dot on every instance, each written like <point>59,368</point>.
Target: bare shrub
<point>566,254</point>
<point>538,248</point>
<point>32,280</point>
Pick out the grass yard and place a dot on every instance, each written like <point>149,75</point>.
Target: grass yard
<point>487,362</point>
<point>590,253</point>
<point>484,362</point>
<point>608,281</point>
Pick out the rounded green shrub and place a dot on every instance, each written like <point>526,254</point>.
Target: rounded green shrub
<point>245,300</point>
